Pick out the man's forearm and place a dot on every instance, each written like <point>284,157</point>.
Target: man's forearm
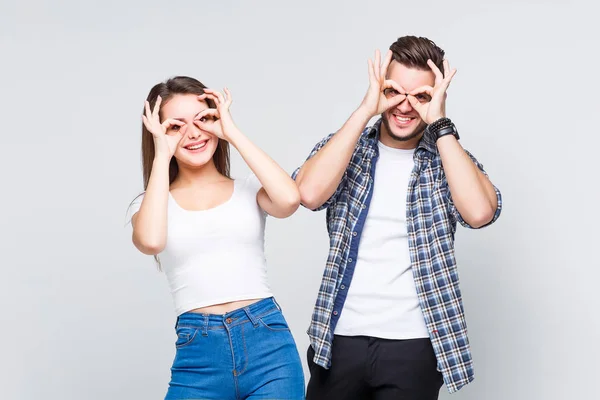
<point>320,176</point>
<point>472,192</point>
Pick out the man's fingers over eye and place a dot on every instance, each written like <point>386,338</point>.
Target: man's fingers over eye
<point>377,63</point>
<point>386,64</point>
<point>394,101</point>
<point>438,74</point>
<point>415,103</point>
<point>423,89</point>
<point>391,84</point>
<point>372,77</point>
<point>449,78</point>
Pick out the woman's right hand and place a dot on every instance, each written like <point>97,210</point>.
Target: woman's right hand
<point>167,134</point>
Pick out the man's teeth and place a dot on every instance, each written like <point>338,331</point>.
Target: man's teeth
<point>197,146</point>
<point>402,119</point>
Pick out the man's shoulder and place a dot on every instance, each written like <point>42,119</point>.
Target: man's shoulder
<point>367,138</point>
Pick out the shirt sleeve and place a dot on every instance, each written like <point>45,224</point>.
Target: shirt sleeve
<point>452,208</point>
<point>337,192</point>
<point>133,208</point>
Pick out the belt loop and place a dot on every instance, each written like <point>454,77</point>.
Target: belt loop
<point>176,322</point>
<point>251,317</point>
<point>205,326</point>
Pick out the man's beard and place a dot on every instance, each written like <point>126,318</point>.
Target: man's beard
<point>418,131</point>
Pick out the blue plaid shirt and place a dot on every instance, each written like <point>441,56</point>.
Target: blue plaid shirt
<point>431,221</point>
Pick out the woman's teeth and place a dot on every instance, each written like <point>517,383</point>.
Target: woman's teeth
<point>196,146</point>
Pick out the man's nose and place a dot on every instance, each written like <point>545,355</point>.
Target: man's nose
<point>405,107</point>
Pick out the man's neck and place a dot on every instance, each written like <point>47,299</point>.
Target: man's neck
<point>389,141</point>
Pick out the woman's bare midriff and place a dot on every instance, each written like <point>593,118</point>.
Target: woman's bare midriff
<point>220,309</point>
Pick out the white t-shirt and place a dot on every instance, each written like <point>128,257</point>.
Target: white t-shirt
<point>382,298</point>
<point>217,255</point>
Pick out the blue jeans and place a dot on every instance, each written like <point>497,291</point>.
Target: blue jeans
<point>248,353</point>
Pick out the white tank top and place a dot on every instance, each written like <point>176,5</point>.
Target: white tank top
<point>217,255</point>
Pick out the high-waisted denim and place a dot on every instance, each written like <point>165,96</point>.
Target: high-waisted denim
<point>248,353</point>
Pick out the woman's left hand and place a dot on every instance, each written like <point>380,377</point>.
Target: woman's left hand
<point>217,121</point>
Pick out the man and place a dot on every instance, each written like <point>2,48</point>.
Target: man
<point>388,321</point>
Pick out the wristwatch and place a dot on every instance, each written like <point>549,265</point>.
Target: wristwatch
<point>442,127</point>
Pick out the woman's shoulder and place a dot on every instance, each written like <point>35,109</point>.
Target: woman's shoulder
<point>249,184</point>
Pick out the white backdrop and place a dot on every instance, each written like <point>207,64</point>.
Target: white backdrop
<point>85,316</point>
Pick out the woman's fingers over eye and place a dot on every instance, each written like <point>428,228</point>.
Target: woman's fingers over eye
<point>157,106</point>
<point>211,96</point>
<point>145,122</point>
<point>173,123</point>
<point>219,96</point>
<point>228,97</point>
<point>211,92</point>
<point>209,113</point>
<point>214,95</point>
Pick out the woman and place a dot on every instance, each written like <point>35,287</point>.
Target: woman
<point>232,339</point>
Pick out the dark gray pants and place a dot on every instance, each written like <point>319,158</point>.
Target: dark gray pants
<point>367,368</point>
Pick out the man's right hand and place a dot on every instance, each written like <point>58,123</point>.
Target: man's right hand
<point>375,102</point>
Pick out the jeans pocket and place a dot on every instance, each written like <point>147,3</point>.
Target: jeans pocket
<point>185,336</point>
<point>275,322</point>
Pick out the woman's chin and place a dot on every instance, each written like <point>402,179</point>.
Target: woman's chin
<point>195,161</point>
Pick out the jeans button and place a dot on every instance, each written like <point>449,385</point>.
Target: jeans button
<point>228,320</point>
